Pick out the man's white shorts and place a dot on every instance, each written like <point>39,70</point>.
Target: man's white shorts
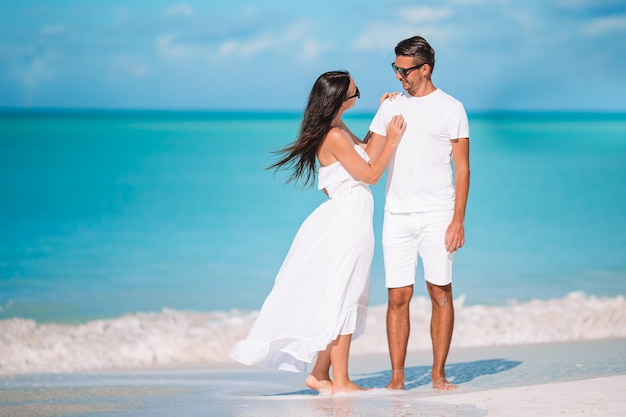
<point>409,235</point>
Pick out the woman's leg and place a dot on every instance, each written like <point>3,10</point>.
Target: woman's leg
<point>339,352</point>
<point>319,379</point>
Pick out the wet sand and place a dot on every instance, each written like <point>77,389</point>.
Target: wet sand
<point>559,379</point>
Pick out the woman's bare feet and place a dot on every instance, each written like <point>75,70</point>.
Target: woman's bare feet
<point>443,384</point>
<point>347,387</point>
<point>324,387</point>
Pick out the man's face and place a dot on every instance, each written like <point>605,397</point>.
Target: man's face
<point>410,72</point>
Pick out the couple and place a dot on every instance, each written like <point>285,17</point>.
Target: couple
<point>320,296</point>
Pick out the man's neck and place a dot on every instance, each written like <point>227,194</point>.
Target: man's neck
<point>423,90</point>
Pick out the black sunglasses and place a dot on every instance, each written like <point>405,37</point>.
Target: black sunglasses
<point>357,95</point>
<point>404,72</point>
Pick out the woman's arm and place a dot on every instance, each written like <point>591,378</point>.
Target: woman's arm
<point>367,137</point>
<point>341,146</point>
<point>354,137</point>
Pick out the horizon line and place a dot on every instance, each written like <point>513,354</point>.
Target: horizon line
<point>12,110</point>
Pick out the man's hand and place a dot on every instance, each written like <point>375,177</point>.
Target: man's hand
<point>455,236</point>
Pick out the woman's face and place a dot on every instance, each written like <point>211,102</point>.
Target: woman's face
<point>352,95</point>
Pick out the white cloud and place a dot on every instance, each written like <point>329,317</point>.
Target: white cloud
<point>526,18</point>
<point>571,4</point>
<point>381,35</point>
<point>604,25</point>
<point>248,48</point>
<point>385,35</point>
<point>297,30</point>
<point>53,29</point>
<point>425,14</point>
<point>434,23</point>
<point>312,49</point>
<point>36,72</point>
<point>247,16</point>
<point>127,65</point>
<point>297,36</point>
<point>588,4</point>
<point>31,76</point>
<point>121,15</point>
<point>181,9</point>
<point>478,2</point>
<point>169,47</point>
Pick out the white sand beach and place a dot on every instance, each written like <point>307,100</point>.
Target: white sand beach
<point>558,379</point>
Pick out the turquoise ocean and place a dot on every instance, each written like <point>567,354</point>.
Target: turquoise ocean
<point>106,215</point>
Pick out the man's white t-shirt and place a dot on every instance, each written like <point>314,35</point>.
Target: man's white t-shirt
<point>420,173</point>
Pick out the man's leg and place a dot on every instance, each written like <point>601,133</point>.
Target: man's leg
<point>400,251</point>
<point>441,326</point>
<point>398,328</point>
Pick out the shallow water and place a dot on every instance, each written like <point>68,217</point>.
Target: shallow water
<point>113,213</point>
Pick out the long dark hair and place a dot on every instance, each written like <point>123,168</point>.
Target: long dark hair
<point>325,100</point>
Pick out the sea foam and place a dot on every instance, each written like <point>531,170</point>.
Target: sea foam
<point>179,338</point>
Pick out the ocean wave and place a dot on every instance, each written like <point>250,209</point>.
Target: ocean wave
<point>180,338</point>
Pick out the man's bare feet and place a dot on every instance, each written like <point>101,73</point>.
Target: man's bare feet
<point>397,380</point>
<point>324,387</point>
<point>347,387</point>
<point>395,385</point>
<point>443,384</point>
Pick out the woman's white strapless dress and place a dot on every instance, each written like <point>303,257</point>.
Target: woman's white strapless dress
<point>322,288</point>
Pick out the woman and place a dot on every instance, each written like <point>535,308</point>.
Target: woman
<point>319,300</point>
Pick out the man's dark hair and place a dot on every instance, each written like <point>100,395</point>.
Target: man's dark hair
<point>418,48</point>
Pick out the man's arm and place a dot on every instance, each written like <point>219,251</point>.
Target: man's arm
<point>455,235</point>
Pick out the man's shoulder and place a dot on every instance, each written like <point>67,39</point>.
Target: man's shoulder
<point>396,103</point>
<point>450,106</point>
<point>445,97</point>
<point>399,98</point>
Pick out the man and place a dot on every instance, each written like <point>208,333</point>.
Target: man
<point>425,206</point>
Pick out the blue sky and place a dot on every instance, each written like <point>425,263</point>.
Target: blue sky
<point>265,55</point>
